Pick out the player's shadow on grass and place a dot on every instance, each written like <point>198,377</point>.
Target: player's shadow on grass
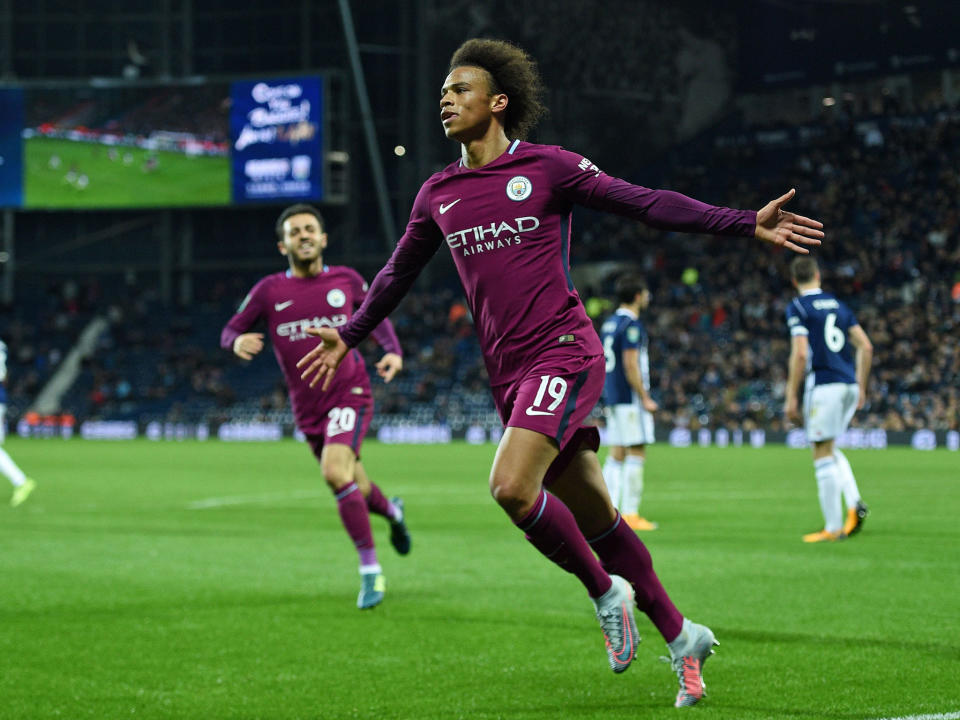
<point>566,710</point>
<point>632,706</point>
<point>489,616</point>
<point>777,712</point>
<point>840,641</point>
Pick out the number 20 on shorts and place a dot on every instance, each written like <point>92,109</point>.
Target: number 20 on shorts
<point>341,420</point>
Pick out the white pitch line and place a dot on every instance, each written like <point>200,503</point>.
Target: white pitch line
<point>216,502</point>
<point>935,716</point>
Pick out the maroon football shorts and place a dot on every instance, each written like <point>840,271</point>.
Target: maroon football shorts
<point>346,424</point>
<point>554,396</point>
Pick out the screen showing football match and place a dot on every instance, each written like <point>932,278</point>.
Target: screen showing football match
<point>214,144</point>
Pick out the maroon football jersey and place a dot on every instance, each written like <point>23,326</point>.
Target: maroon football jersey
<point>290,305</point>
<point>507,226</point>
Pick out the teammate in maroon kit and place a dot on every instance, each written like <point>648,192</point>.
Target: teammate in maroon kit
<point>312,295</point>
<point>503,210</point>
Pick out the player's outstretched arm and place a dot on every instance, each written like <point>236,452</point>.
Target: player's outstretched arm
<point>322,362</point>
<point>390,364</point>
<point>786,229</point>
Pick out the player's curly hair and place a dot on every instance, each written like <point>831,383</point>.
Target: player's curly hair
<point>512,72</point>
<point>297,210</point>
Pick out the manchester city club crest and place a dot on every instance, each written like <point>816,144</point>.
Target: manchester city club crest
<point>519,188</point>
<point>336,298</point>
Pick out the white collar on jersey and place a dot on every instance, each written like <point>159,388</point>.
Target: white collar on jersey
<point>510,151</point>
<point>289,273</point>
<point>628,312</point>
<point>811,291</point>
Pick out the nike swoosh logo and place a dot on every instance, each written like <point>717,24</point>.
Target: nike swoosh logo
<point>444,208</point>
<point>281,306</point>
<point>625,655</point>
<point>531,411</point>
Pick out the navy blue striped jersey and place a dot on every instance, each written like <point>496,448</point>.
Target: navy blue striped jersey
<point>826,322</point>
<point>623,331</point>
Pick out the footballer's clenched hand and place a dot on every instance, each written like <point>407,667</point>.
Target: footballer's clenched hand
<point>390,364</point>
<point>247,345</point>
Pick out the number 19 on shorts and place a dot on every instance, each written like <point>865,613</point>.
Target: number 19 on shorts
<point>556,388</point>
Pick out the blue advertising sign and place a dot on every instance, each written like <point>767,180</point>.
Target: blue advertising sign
<point>276,131</point>
<point>11,148</point>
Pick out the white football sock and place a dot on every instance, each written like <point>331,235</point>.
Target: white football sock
<point>632,481</point>
<point>612,472</point>
<point>848,483</point>
<point>828,484</point>
<point>9,468</point>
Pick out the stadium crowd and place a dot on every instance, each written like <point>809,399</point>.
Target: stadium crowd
<point>886,189</point>
<point>198,110</point>
<point>884,185</point>
<point>633,64</point>
<point>40,333</point>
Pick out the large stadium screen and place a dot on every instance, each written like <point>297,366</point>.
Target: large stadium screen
<point>181,145</point>
<point>276,134</point>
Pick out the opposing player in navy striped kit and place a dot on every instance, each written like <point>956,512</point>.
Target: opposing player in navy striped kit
<point>822,331</point>
<point>629,406</point>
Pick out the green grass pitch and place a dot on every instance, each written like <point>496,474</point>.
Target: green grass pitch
<point>178,180</point>
<point>213,580</point>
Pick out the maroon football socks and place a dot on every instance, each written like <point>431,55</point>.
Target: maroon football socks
<point>623,553</point>
<point>378,504</point>
<point>551,529</point>
<point>356,520</point>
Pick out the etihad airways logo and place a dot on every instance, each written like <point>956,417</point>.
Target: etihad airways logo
<point>297,330</point>
<point>494,236</point>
